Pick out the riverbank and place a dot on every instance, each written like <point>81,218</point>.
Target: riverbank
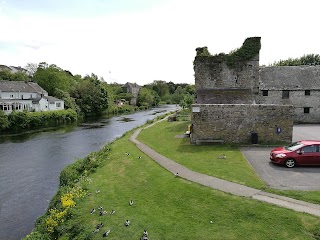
<point>169,207</point>
<point>31,165</point>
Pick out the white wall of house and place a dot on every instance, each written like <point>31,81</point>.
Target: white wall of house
<point>17,95</point>
<point>56,105</point>
<point>43,104</point>
<point>9,105</point>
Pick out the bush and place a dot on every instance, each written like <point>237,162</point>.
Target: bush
<point>19,121</point>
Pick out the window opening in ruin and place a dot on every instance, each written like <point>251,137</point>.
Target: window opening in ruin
<point>306,110</point>
<point>307,92</point>
<point>285,94</point>
<point>264,92</point>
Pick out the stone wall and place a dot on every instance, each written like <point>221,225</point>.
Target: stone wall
<point>235,123</point>
<point>299,100</point>
<point>216,78</point>
<point>303,85</point>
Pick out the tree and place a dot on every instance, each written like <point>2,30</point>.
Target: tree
<point>4,122</point>
<point>9,76</point>
<point>51,77</point>
<point>178,95</point>
<point>69,102</point>
<point>90,95</point>
<point>309,59</point>
<point>145,97</point>
<point>31,68</point>
<point>161,88</point>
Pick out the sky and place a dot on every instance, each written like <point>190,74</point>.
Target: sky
<point>145,40</point>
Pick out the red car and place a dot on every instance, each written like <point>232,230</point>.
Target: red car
<point>305,152</point>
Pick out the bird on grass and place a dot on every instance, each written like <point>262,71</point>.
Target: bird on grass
<point>92,210</point>
<point>145,233</point>
<point>139,157</point>
<point>112,212</point>
<point>99,226</point>
<point>100,208</point>
<point>223,156</point>
<point>103,213</point>
<point>127,223</point>
<point>176,174</point>
<point>131,203</point>
<point>127,153</point>
<point>105,234</point>
<point>98,191</point>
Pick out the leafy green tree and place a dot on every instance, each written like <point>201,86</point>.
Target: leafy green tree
<point>172,87</point>
<point>126,96</point>
<point>4,122</point>
<point>186,101</point>
<point>145,97</point>
<point>69,102</point>
<point>178,95</point>
<point>9,76</point>
<point>51,77</point>
<point>90,95</point>
<point>309,59</point>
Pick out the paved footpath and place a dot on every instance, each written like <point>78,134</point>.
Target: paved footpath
<point>223,185</point>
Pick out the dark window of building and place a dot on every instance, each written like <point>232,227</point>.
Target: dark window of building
<point>264,92</point>
<point>307,92</point>
<point>306,110</point>
<point>285,94</point>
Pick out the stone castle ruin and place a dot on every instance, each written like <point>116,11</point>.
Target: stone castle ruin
<point>226,109</point>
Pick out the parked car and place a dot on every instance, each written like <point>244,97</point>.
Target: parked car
<point>304,152</point>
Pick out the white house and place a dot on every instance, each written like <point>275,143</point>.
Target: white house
<point>20,95</point>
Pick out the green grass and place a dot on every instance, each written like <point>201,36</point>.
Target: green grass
<point>173,208</point>
<point>170,207</point>
<point>203,159</point>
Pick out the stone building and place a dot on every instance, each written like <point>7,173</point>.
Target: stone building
<point>296,85</point>
<point>134,89</point>
<point>226,109</point>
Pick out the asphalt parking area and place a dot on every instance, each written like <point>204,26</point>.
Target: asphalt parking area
<point>280,177</point>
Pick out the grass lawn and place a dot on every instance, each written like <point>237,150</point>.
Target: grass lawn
<point>173,208</point>
<point>204,159</point>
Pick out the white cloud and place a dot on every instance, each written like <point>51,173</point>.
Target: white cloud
<point>158,43</point>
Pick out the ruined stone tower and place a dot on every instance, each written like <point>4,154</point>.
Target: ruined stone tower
<point>232,78</point>
<point>226,89</point>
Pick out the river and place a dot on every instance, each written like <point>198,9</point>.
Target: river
<point>30,165</point>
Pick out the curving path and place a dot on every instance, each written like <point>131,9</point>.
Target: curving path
<point>223,185</point>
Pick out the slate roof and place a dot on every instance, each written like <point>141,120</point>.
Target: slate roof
<point>16,86</point>
<point>50,98</point>
<point>290,78</point>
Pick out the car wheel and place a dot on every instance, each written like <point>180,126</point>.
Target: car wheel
<point>290,163</point>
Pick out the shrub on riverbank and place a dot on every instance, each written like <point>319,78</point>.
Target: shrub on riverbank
<point>74,181</point>
<point>20,121</point>
<point>114,109</point>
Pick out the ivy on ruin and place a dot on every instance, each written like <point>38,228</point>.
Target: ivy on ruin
<point>250,49</point>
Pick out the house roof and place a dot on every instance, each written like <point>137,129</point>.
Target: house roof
<point>49,98</point>
<point>290,78</point>
<point>131,85</point>
<point>16,86</point>
<point>4,67</point>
